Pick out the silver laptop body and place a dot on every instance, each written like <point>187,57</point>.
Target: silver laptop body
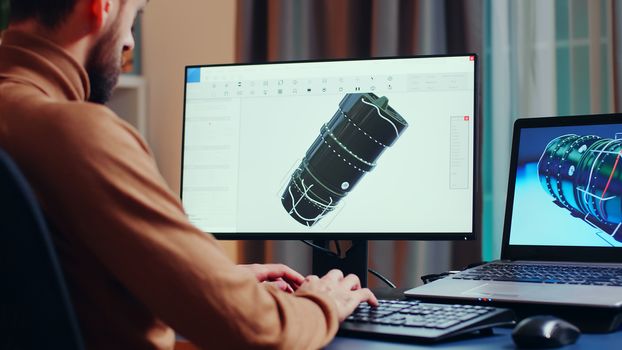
<point>563,211</point>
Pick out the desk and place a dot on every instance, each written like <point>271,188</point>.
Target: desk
<point>501,339</point>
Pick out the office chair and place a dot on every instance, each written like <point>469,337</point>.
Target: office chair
<point>35,309</point>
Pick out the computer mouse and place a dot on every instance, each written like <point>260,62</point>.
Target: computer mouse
<point>544,332</point>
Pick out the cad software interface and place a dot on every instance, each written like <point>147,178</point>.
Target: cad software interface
<point>568,187</point>
<point>364,146</point>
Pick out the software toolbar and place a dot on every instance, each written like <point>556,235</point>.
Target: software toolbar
<point>222,86</point>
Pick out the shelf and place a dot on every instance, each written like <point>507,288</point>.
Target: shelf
<point>129,101</point>
<point>127,81</point>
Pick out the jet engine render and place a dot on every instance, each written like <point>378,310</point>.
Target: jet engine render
<point>584,175</point>
<point>346,149</point>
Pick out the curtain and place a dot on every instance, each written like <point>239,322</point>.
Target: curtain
<point>542,58</point>
<point>615,28</point>
<point>278,30</point>
<point>4,15</point>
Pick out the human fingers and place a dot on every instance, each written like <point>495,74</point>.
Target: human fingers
<point>364,295</point>
<point>285,272</point>
<point>258,270</point>
<point>312,278</point>
<point>349,300</point>
<point>334,275</point>
<point>272,272</point>
<point>351,282</point>
<point>282,285</point>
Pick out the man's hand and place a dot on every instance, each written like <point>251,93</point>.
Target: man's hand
<point>279,275</point>
<point>345,291</point>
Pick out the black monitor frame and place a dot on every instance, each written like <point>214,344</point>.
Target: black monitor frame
<point>428,236</point>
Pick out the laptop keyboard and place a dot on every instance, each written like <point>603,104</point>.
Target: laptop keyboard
<point>582,275</point>
<point>425,322</point>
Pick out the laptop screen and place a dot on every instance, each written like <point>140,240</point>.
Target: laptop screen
<point>568,186</point>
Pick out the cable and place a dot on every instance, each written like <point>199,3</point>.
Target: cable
<point>436,276</point>
<point>382,278</point>
<point>338,255</point>
<point>322,249</point>
<point>338,247</point>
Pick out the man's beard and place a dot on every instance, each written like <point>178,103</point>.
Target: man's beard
<point>104,66</point>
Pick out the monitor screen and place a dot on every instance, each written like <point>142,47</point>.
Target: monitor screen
<point>344,149</point>
<point>565,191</point>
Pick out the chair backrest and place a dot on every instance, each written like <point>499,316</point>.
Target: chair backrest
<point>35,309</point>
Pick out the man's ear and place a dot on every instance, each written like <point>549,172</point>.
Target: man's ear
<point>100,12</point>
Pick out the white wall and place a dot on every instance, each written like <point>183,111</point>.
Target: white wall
<point>176,34</point>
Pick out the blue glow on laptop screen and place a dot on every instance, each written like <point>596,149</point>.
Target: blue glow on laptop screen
<point>568,188</point>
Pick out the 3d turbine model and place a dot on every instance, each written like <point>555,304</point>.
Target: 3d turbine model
<point>346,149</point>
<point>584,175</point>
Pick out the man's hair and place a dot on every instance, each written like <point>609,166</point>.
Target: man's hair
<point>50,13</point>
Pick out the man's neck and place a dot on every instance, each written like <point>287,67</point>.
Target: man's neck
<point>65,37</point>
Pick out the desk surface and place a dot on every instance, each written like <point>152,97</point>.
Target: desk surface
<point>501,339</point>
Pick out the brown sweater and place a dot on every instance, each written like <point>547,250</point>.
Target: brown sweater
<point>134,264</point>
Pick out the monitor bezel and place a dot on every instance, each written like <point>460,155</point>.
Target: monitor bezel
<point>427,236</point>
<point>552,253</point>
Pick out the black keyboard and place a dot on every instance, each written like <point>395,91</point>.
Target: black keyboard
<point>413,320</point>
<point>562,274</point>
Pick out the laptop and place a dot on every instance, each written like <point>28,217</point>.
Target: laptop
<point>562,238</point>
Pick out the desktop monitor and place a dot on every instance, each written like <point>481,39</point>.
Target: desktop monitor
<point>364,149</point>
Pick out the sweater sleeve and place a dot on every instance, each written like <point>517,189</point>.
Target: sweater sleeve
<point>110,196</point>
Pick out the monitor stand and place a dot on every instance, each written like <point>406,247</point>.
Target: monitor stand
<point>355,260</point>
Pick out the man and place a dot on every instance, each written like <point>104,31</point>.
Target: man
<point>135,265</point>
